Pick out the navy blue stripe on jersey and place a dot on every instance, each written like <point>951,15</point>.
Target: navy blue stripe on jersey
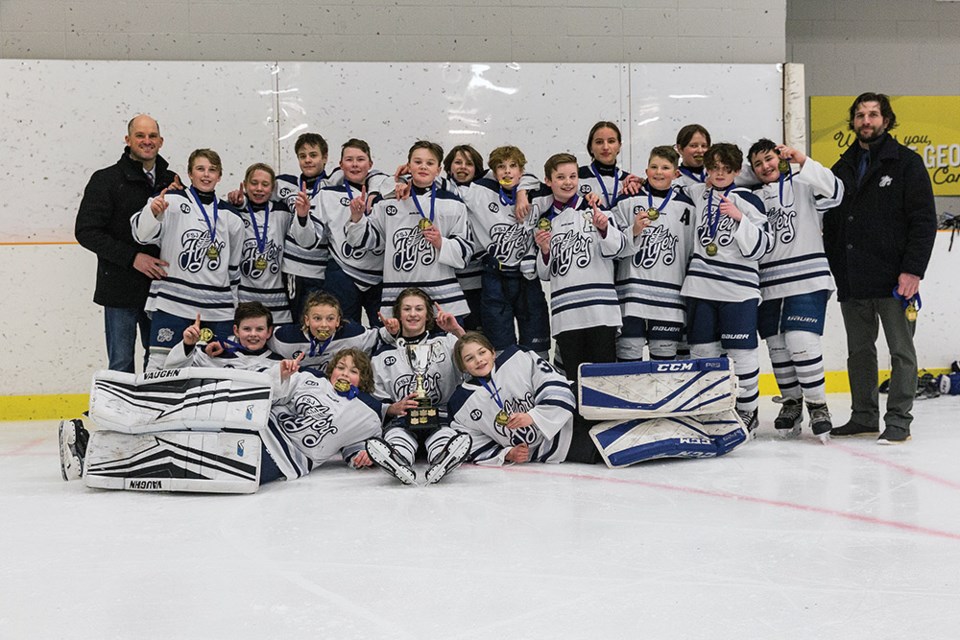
<point>197,285</point>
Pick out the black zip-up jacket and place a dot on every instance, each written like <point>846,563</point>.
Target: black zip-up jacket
<point>103,226</point>
<point>884,227</point>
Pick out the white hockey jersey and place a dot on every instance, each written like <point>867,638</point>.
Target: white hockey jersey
<point>309,259</point>
<point>312,422</point>
<point>795,262</point>
<point>364,266</point>
<point>499,236</point>
<point>650,280</point>
<point>580,267</point>
<point>732,274</point>
<point>290,340</point>
<point>234,356</point>
<point>394,378</point>
<point>203,275</point>
<point>523,383</point>
<point>264,232</point>
<point>411,261</point>
<point>603,180</point>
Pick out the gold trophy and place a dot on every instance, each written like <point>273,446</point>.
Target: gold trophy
<point>424,415</point>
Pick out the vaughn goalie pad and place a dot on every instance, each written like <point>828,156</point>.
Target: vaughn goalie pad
<point>631,441</point>
<point>173,461</point>
<point>656,388</point>
<point>180,399</point>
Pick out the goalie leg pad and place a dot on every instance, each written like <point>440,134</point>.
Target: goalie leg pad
<point>174,461</point>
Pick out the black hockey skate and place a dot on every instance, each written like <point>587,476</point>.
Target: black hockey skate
<point>450,458</point>
<point>73,448</point>
<point>750,420</point>
<point>820,421</point>
<point>387,458</point>
<point>787,423</point>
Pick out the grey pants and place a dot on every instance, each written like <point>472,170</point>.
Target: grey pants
<point>861,319</point>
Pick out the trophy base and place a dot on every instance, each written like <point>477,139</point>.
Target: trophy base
<point>423,418</point>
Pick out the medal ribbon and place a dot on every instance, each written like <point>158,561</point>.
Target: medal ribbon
<point>433,198</point>
<point>349,394</point>
<point>783,178</point>
<point>211,228</point>
<point>696,177</point>
<point>663,205</point>
<point>495,393</point>
<point>261,239</point>
<point>317,349</point>
<point>906,301</point>
<point>506,200</point>
<point>316,185</point>
<point>713,218</point>
<point>603,187</point>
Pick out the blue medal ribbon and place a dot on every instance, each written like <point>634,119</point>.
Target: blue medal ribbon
<point>433,198</point>
<point>494,393</point>
<point>261,239</point>
<point>603,187</point>
<point>917,302</point>
<point>316,185</point>
<point>316,348</point>
<point>696,177</point>
<point>349,394</point>
<point>211,228</point>
<point>666,199</point>
<point>229,345</point>
<point>783,178</point>
<point>510,200</point>
<point>713,217</point>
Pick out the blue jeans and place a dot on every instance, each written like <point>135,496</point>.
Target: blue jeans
<point>120,329</point>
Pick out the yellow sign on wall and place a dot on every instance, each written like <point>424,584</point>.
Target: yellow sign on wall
<point>930,125</point>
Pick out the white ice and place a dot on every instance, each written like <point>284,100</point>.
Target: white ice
<point>780,539</point>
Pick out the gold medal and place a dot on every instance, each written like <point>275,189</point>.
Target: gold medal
<point>544,224</point>
<point>652,214</point>
<point>212,252</point>
<point>502,418</point>
<point>783,166</point>
<point>505,182</point>
<point>711,249</point>
<point>341,386</point>
<point>260,263</point>
<point>911,312</point>
<point>424,224</point>
<point>206,334</point>
<point>322,334</point>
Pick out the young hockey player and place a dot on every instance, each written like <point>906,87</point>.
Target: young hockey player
<point>602,176</point>
<point>463,166</point>
<point>246,349</point>
<point>577,245</point>
<point>355,274</point>
<point>659,222</point>
<point>266,225</point>
<point>421,362</point>
<point>512,297</point>
<point>515,406</point>
<point>795,280</point>
<point>323,332</point>
<point>424,238</point>
<point>203,249</point>
<point>693,140</point>
<point>722,286</point>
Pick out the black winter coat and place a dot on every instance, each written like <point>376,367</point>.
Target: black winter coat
<point>884,227</point>
<point>103,226</point>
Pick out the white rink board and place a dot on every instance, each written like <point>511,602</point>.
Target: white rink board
<point>62,120</point>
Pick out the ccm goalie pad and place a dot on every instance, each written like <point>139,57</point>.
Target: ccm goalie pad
<point>188,399</point>
<point>173,461</point>
<point>661,409</point>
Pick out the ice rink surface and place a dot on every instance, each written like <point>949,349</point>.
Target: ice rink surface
<point>780,539</point>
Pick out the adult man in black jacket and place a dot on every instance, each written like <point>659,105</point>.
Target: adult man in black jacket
<point>878,242</point>
<point>124,267</point>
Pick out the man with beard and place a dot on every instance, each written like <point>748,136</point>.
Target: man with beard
<point>124,267</point>
<point>878,242</point>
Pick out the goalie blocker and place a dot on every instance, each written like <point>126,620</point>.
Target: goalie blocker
<point>661,409</point>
